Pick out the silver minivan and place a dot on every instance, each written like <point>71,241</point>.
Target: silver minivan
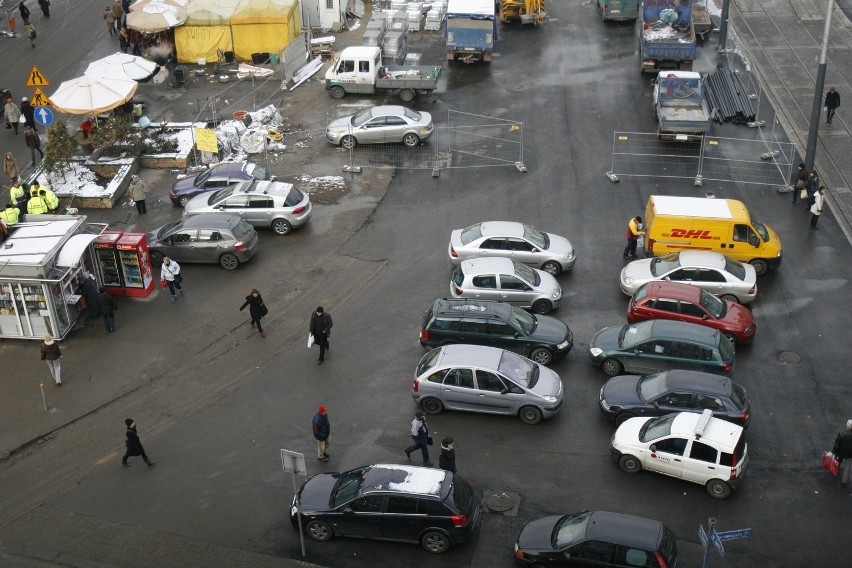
<point>508,281</point>
<point>477,378</point>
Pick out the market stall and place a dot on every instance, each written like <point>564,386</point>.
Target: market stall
<point>40,264</point>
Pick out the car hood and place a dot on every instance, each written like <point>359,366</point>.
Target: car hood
<point>549,330</point>
<point>185,183</point>
<point>639,271</point>
<point>628,432</point>
<point>345,122</point>
<point>621,391</point>
<point>315,494</point>
<point>607,338</point>
<point>559,245</point>
<point>537,534</point>
<point>548,282</point>
<point>548,383</point>
<point>740,315</point>
<point>197,204</point>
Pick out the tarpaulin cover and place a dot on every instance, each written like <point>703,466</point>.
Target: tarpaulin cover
<point>196,42</point>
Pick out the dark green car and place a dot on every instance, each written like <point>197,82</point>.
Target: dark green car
<point>495,324</point>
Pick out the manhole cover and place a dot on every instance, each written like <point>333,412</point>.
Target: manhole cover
<point>499,502</point>
<point>789,357</point>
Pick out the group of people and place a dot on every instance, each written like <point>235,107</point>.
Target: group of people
<point>115,17</point>
<point>34,199</point>
<point>811,191</point>
<point>23,116</point>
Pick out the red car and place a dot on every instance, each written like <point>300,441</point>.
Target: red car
<point>683,302</point>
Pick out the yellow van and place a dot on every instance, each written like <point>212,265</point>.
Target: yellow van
<point>719,225</point>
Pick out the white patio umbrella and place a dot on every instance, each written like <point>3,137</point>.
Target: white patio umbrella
<point>155,17</point>
<point>92,95</point>
<point>121,65</point>
<point>142,3</point>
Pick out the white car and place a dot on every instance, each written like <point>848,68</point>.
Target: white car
<point>727,278</point>
<point>507,281</point>
<point>695,447</point>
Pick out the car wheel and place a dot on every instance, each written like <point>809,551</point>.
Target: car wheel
<point>612,367</point>
<point>407,95</point>
<point>760,266</point>
<point>432,405</point>
<point>730,298</point>
<point>183,200</point>
<point>629,464</point>
<point>541,356</point>
<point>732,337</point>
<point>530,415</point>
<point>156,258</point>
<point>348,142</point>
<point>718,489</point>
<point>551,268</point>
<point>319,531</point>
<point>623,417</point>
<point>338,92</point>
<point>411,140</point>
<point>229,261</point>
<point>281,227</point>
<point>435,542</point>
<point>542,307</point>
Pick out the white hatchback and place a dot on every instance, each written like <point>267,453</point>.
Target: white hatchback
<point>695,447</point>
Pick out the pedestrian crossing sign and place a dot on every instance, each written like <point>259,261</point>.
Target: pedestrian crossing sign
<point>37,79</point>
<point>40,99</point>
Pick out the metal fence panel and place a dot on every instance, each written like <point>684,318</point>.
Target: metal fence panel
<point>643,154</point>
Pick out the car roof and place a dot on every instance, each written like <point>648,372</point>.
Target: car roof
<point>496,265</point>
<point>705,258</point>
<point>673,290</point>
<point>681,330</point>
<point>697,381</point>
<point>719,432</point>
<point>627,530</point>
<point>210,221</point>
<point>388,110</point>
<point>229,167</point>
<point>254,187</point>
<point>405,479</point>
<point>478,355</point>
<point>501,229</point>
<point>465,307</point>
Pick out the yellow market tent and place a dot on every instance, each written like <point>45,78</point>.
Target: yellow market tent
<point>207,28</point>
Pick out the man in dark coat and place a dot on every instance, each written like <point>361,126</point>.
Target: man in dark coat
<point>25,13</point>
<point>832,101</point>
<point>447,460</point>
<point>420,435</point>
<point>29,113</point>
<point>257,309</point>
<point>842,450</point>
<point>134,445</point>
<point>45,7</point>
<point>320,328</point>
<point>322,433</point>
<point>108,308</point>
<point>89,290</point>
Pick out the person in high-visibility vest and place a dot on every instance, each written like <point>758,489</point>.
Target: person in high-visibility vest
<point>10,215</point>
<point>18,197</point>
<point>49,197</point>
<point>36,204</point>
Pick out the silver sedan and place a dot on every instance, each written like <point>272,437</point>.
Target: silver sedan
<point>517,241</point>
<point>727,278</point>
<point>387,124</point>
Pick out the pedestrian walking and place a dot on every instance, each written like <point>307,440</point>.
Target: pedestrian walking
<point>123,40</point>
<point>33,143</point>
<point>322,433</point>
<point>842,450</point>
<point>137,194</point>
<point>816,208</point>
<point>447,459</point>
<point>25,13</point>
<point>320,328</point>
<point>170,272</point>
<point>800,188</point>
<point>10,166</point>
<point>45,7</point>
<point>29,113</point>
<point>117,13</point>
<point>421,437</point>
<point>812,186</point>
<point>133,444</point>
<point>51,354</point>
<point>257,309</point>
<point>109,18</point>
<point>633,232</point>
<point>832,101</point>
<point>108,309</point>
<point>12,114</point>
<point>30,33</point>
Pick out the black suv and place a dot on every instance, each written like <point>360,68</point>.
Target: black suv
<point>495,324</point>
<point>406,503</point>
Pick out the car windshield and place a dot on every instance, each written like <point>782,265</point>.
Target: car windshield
<point>713,304</point>
<point>631,335</point>
<point>738,395</point>
<point>360,119</point>
<point>428,361</point>
<point>664,264</point>
<point>657,427</point>
<point>471,233</point>
<point>651,386</point>
<point>458,276</point>
<point>166,229</point>
<point>570,529</point>
<point>526,274</point>
<point>218,196</point>
<point>257,172</point>
<point>523,320</point>
<point>536,237</point>
<point>760,228</point>
<point>521,371</point>
<point>640,293</point>
<point>201,178</point>
<point>348,486</point>
<point>413,115</point>
<point>735,268</point>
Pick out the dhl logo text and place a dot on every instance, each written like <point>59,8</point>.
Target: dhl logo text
<point>691,234</point>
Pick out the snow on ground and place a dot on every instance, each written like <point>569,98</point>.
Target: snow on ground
<point>78,181</point>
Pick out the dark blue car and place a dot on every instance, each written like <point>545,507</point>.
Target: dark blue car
<point>217,177</point>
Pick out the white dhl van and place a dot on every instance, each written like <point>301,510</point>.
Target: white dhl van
<point>719,225</point>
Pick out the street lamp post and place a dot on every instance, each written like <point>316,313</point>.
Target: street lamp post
<point>820,85</point>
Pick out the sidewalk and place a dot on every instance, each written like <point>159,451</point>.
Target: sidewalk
<point>782,47</point>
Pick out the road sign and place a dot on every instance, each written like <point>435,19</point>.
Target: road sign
<point>702,535</point>
<point>43,116</point>
<point>730,535</point>
<point>40,99</point>
<point>36,78</point>
<point>717,542</point>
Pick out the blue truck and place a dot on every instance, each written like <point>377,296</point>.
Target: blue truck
<point>471,30</point>
<point>667,36</point>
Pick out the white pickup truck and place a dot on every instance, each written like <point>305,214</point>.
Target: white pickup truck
<point>360,70</point>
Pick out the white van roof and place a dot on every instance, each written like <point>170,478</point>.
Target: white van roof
<point>720,433</point>
<point>692,207</point>
<point>360,52</point>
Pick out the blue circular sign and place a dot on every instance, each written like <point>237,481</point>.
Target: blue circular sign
<point>43,116</point>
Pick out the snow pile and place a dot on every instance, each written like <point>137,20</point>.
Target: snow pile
<point>78,181</point>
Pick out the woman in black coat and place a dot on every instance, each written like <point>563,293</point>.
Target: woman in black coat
<point>447,460</point>
<point>257,309</point>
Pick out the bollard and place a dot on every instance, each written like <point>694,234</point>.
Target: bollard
<point>43,396</point>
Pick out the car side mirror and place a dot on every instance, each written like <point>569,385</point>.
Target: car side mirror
<point>655,404</point>
<point>517,335</point>
<point>168,241</point>
<point>348,511</point>
<point>667,278</point>
<point>504,391</point>
<point>653,447</point>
